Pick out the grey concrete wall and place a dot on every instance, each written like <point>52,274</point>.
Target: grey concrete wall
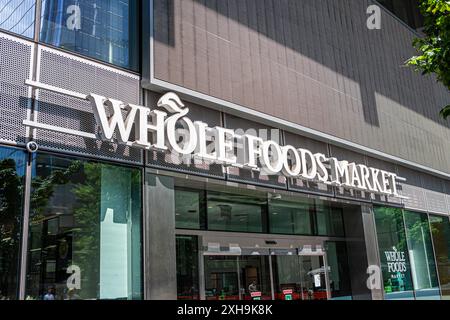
<point>311,62</point>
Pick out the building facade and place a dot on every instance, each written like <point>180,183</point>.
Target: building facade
<point>219,150</point>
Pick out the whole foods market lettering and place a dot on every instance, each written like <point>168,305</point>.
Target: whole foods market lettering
<point>167,128</point>
<point>396,263</point>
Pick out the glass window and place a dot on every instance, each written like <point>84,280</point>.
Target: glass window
<point>12,171</point>
<point>290,217</point>
<point>423,266</point>
<point>189,207</point>
<point>101,29</point>
<point>187,268</point>
<point>18,16</point>
<point>233,212</point>
<point>237,278</point>
<point>85,231</point>
<point>393,248</point>
<point>329,220</point>
<point>254,273</point>
<point>221,278</point>
<point>440,231</point>
<point>339,271</point>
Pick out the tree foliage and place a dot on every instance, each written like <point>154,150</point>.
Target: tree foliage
<point>435,45</point>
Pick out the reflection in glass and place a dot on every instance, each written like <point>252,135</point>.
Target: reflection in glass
<point>299,277</point>
<point>84,240</point>
<point>440,231</point>
<point>423,267</point>
<point>101,29</point>
<point>287,277</point>
<point>255,278</point>
<point>232,212</point>
<point>393,248</point>
<point>187,268</point>
<point>237,278</point>
<point>329,220</point>
<point>189,206</point>
<point>339,271</point>
<point>18,16</point>
<point>221,278</point>
<point>290,217</point>
<point>12,170</point>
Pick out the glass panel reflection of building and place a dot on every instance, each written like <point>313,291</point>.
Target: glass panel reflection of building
<point>101,29</point>
<point>18,16</point>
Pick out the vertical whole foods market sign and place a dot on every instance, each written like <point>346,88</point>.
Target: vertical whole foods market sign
<point>168,128</point>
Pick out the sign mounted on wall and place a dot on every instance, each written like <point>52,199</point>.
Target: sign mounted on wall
<point>167,128</point>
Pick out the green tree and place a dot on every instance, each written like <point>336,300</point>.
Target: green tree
<point>435,45</point>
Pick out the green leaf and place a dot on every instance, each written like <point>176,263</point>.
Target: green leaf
<point>445,113</point>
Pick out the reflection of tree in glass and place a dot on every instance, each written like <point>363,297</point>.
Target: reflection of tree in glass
<point>104,186</point>
<point>10,213</point>
<point>419,230</point>
<point>85,245</point>
<point>44,186</point>
<point>391,220</point>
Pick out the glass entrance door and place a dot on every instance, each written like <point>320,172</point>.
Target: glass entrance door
<point>237,278</point>
<point>221,278</point>
<point>255,277</point>
<point>299,277</point>
<point>263,277</point>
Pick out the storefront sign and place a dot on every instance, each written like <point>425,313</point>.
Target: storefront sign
<point>256,295</point>
<point>317,281</point>
<point>287,293</point>
<point>168,128</point>
<point>396,263</point>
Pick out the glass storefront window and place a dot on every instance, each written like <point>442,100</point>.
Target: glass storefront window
<point>187,268</point>
<point>12,171</point>
<point>221,278</point>
<point>189,207</point>
<point>233,212</point>
<point>395,265</point>
<point>85,231</point>
<point>423,266</point>
<point>329,220</point>
<point>18,16</point>
<point>290,217</point>
<point>440,231</point>
<point>106,30</point>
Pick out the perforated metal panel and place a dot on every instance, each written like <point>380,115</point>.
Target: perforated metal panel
<point>416,197</point>
<point>256,178</point>
<point>167,161</point>
<point>308,186</point>
<point>434,190</point>
<point>72,73</point>
<point>15,97</point>
<point>387,166</point>
<point>436,202</point>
